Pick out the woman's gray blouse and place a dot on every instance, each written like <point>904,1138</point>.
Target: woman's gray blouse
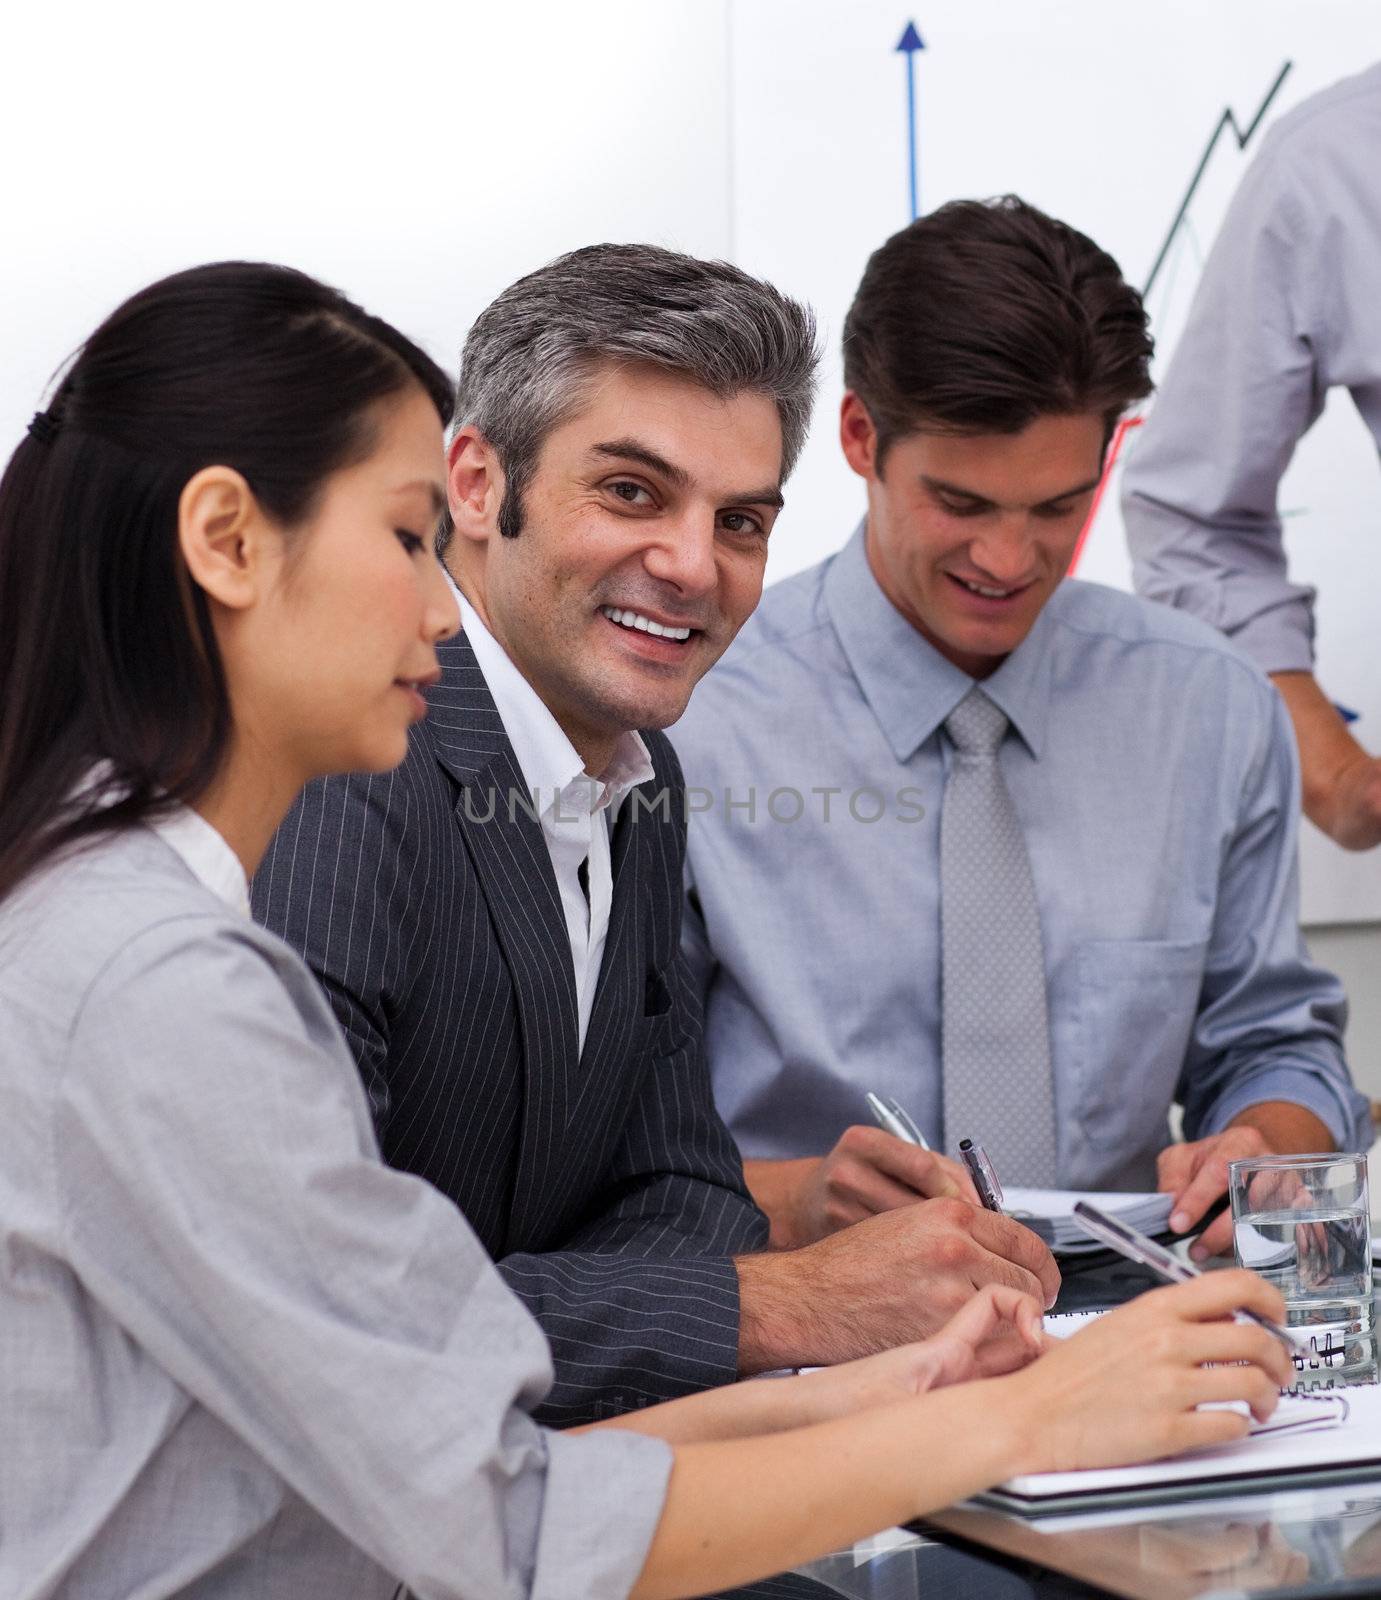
<point>239,1356</point>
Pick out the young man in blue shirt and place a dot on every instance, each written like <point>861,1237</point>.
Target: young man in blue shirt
<point>1043,940</point>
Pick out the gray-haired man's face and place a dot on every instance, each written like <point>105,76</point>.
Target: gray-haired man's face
<point>641,554</point>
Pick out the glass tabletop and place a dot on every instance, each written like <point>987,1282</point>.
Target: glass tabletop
<point>1292,1544</point>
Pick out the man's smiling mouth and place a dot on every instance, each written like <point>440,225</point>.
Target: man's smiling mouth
<point>642,624</point>
<point>988,591</point>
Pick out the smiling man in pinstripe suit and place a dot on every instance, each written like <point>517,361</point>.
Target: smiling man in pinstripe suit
<point>497,923</point>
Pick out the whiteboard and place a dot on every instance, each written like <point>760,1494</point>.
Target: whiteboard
<point>1099,114</point>
<point>424,154</point>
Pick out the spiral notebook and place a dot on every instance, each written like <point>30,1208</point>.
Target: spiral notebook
<point>1328,1436</point>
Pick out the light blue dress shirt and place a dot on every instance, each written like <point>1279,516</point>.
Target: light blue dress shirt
<point>1154,774</point>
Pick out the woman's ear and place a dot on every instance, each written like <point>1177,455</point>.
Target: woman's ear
<point>224,536</point>
<point>474,485</point>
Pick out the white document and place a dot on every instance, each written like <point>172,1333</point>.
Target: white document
<point>1050,1213</point>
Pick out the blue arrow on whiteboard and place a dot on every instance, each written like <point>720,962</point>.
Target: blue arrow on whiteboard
<point>909,43</point>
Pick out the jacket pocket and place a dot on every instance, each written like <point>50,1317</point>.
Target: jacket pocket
<point>656,994</point>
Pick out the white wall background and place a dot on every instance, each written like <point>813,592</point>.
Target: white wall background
<point>424,154</point>
<point>421,154</point>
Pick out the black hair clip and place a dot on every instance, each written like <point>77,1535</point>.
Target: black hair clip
<point>44,427</point>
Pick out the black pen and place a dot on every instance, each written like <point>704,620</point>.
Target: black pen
<point>975,1158</point>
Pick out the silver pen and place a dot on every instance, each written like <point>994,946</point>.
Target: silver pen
<point>1156,1258</point>
<point>985,1180</point>
<point>892,1118</point>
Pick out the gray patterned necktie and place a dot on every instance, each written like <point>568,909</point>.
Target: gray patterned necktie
<point>995,1032</point>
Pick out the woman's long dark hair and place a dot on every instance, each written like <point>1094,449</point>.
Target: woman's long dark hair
<point>107,654</point>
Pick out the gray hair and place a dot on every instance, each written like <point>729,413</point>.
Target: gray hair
<point>527,359</point>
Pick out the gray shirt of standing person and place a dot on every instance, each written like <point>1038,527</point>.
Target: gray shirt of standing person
<point>1289,307</point>
<point>248,1358</point>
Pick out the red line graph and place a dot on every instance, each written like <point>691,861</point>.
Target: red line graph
<point>1119,437</point>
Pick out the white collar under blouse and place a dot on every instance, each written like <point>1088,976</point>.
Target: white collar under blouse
<point>208,857</point>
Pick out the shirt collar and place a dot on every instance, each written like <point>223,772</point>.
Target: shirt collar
<point>910,687</point>
<point>206,854</point>
<point>551,765</point>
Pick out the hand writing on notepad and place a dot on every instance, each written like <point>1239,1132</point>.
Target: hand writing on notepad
<point>1166,1374</point>
<point>894,1277</point>
<point>1128,1388</point>
<point>868,1171</point>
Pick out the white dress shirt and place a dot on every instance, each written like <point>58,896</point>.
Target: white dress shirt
<point>206,854</point>
<point>576,810</point>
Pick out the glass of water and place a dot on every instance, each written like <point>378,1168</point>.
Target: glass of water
<point>1304,1223</point>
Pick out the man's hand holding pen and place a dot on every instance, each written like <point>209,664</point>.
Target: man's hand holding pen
<point>893,1277</point>
<point>892,1230</point>
<point>867,1172</point>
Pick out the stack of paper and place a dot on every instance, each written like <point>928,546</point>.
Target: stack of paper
<point>1050,1213</point>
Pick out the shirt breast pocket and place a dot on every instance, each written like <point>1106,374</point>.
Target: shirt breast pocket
<point>1135,1005</point>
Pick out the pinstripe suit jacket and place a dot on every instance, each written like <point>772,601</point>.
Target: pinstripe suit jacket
<point>605,1186</point>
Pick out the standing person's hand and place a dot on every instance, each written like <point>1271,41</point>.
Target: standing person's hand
<point>1340,779</point>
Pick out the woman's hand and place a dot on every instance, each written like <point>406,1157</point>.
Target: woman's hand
<point>998,1330</point>
<point>1127,1388</point>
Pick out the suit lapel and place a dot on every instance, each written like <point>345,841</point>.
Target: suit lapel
<point>511,861</point>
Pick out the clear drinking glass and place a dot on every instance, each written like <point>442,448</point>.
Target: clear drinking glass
<point>1304,1223</point>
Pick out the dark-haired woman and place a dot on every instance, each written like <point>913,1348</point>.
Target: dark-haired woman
<point>239,1356</point>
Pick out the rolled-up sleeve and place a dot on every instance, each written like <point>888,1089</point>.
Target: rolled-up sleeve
<point>223,1200</point>
<point>1200,488</point>
<point>1270,1023</point>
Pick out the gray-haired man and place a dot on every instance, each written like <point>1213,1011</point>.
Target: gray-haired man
<point>497,924</point>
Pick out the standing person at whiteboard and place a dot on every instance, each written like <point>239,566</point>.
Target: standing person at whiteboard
<point>1014,850</point>
<point>1289,307</point>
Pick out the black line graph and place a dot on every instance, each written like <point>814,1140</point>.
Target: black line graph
<point>1227,123</point>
